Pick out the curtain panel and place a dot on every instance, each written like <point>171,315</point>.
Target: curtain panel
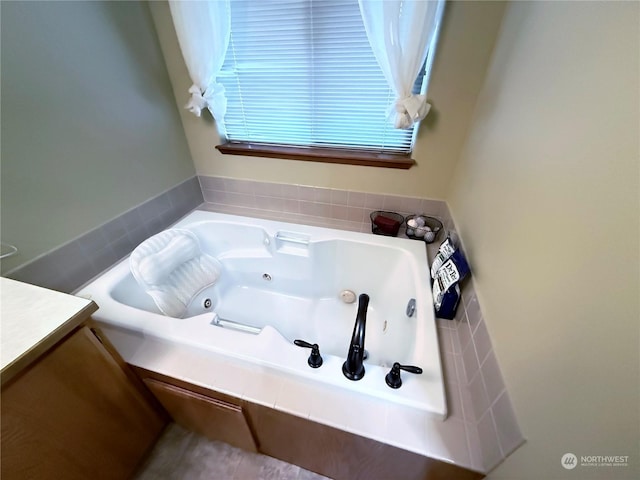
<point>401,33</point>
<point>203,29</point>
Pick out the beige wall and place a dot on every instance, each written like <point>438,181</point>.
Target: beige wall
<point>89,124</point>
<point>465,45</point>
<point>546,197</point>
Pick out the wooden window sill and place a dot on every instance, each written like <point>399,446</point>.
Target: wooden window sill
<point>326,155</point>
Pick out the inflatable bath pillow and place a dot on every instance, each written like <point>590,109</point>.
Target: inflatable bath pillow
<point>172,269</point>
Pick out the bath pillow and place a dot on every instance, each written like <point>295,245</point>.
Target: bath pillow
<point>154,268</point>
<point>172,269</point>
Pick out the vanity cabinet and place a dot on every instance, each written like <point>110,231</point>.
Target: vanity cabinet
<point>326,450</point>
<point>76,412</point>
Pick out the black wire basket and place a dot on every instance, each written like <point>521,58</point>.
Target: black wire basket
<point>423,227</point>
<point>386,223</point>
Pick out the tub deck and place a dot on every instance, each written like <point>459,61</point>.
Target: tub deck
<point>308,267</point>
<point>162,345</point>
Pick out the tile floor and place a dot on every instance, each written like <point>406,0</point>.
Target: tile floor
<point>183,455</point>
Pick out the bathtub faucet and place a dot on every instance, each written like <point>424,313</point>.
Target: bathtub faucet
<point>353,367</point>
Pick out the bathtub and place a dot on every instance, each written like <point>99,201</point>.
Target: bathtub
<point>281,282</point>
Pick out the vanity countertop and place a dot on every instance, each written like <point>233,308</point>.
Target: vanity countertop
<point>32,320</point>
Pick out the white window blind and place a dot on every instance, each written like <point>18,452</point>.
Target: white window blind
<point>302,73</point>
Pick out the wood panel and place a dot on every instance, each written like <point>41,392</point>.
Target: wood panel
<point>75,415</point>
<point>210,417</point>
<point>341,455</point>
<point>134,379</point>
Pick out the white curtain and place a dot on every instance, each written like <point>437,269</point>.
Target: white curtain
<point>400,33</point>
<point>203,28</point>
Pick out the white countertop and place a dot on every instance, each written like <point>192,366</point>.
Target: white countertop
<point>30,315</point>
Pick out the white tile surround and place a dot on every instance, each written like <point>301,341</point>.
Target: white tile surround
<point>404,427</point>
<point>482,428</point>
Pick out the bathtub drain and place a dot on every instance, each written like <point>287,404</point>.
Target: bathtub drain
<point>266,277</point>
<point>207,303</point>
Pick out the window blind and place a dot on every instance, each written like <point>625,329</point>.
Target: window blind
<point>302,73</point>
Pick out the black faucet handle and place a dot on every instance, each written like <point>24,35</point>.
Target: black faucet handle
<point>393,377</point>
<point>315,360</point>
<point>409,368</point>
<point>302,343</point>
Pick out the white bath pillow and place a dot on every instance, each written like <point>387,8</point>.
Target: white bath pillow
<point>157,266</point>
<point>172,269</point>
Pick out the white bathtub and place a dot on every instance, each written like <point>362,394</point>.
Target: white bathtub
<point>281,282</point>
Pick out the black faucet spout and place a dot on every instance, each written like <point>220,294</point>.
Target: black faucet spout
<point>353,367</point>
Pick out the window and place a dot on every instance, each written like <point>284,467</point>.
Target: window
<point>302,74</point>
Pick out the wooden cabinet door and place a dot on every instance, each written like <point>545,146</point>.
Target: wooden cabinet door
<point>342,455</point>
<point>75,415</point>
<point>207,416</point>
